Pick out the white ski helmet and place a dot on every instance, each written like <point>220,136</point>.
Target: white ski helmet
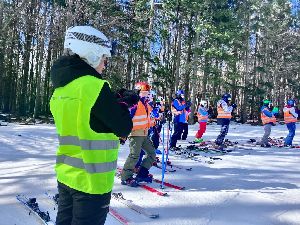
<point>89,43</point>
<point>203,103</point>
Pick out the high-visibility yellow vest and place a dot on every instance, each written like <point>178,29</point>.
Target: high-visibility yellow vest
<point>288,117</point>
<point>86,160</point>
<point>265,119</point>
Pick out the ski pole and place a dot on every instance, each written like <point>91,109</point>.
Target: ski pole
<point>163,158</point>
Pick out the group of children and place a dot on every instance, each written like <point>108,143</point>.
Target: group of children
<point>268,117</point>
<point>224,110</point>
<point>148,116</point>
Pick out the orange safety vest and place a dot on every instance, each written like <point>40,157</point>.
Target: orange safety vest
<point>201,117</point>
<point>141,119</point>
<point>222,113</point>
<point>288,117</point>
<point>265,119</point>
<point>175,111</point>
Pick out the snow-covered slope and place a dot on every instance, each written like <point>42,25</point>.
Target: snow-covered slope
<point>246,187</point>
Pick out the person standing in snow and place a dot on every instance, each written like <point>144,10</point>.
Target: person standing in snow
<point>202,114</point>
<point>268,119</point>
<point>89,122</point>
<point>224,108</point>
<point>178,111</point>
<point>290,119</point>
<point>152,132</point>
<point>139,139</point>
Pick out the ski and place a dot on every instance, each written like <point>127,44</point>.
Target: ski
<point>113,212</point>
<point>144,186</point>
<point>153,190</point>
<point>180,167</point>
<point>168,184</point>
<point>172,165</point>
<point>119,197</point>
<point>53,198</point>
<point>194,158</point>
<point>171,170</point>
<point>32,205</point>
<point>119,217</point>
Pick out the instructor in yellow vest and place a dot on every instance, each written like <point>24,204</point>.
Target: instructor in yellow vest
<point>89,122</point>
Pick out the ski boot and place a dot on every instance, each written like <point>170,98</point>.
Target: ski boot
<point>169,163</point>
<point>130,182</point>
<point>198,140</point>
<point>267,145</point>
<point>143,176</point>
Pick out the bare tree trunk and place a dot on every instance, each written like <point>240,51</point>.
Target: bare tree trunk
<point>178,57</point>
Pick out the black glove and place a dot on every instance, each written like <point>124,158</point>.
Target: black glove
<point>122,140</point>
<point>127,96</point>
<point>234,105</point>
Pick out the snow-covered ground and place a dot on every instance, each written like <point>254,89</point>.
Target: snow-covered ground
<point>246,187</point>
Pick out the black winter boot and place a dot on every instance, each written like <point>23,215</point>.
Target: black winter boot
<point>143,175</point>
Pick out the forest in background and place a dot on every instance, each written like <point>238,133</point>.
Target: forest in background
<point>249,48</point>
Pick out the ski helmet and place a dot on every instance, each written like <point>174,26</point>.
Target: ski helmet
<point>89,43</point>
<point>151,95</point>
<point>142,86</point>
<point>226,97</point>
<point>160,99</point>
<point>290,102</point>
<point>179,93</point>
<point>203,103</point>
<point>267,103</point>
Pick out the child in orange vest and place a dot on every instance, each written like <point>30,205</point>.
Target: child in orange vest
<point>139,139</point>
<point>224,108</point>
<point>268,119</point>
<point>290,118</point>
<point>202,115</point>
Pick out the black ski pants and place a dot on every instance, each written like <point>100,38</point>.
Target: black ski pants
<point>79,208</point>
<point>185,131</point>
<point>178,129</point>
<point>224,130</point>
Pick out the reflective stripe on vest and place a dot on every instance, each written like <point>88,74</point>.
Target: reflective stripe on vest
<point>202,117</point>
<point>289,118</point>
<point>141,119</point>
<point>265,119</point>
<point>87,144</point>
<point>89,167</point>
<point>222,113</point>
<point>86,160</point>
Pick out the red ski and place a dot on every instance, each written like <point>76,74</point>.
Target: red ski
<point>168,184</point>
<point>118,216</point>
<point>144,186</point>
<point>153,190</point>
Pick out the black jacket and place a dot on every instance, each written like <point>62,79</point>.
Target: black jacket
<point>107,116</point>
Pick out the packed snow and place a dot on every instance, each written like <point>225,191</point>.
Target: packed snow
<point>248,186</point>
